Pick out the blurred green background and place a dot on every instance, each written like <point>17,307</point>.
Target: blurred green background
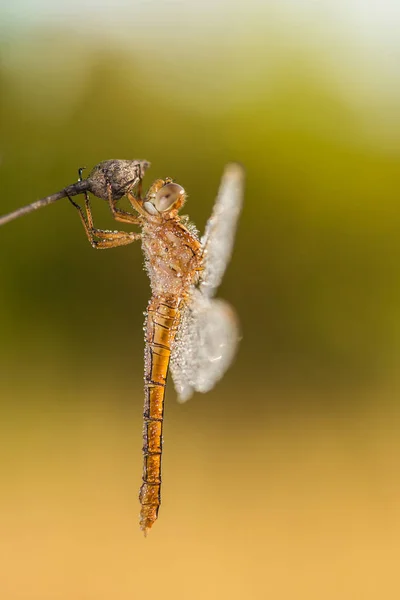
<point>283,481</point>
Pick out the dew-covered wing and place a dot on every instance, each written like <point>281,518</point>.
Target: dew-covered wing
<point>205,345</point>
<point>220,230</point>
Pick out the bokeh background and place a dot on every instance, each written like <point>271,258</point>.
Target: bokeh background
<point>283,482</point>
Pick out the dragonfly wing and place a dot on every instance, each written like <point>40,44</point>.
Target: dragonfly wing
<point>220,230</point>
<point>205,345</point>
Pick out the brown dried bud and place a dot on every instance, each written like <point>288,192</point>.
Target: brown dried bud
<point>122,175</point>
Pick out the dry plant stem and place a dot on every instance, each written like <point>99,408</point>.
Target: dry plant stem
<point>115,176</point>
<point>72,190</point>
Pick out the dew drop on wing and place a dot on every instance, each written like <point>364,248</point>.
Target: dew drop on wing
<point>205,345</point>
<point>219,235</point>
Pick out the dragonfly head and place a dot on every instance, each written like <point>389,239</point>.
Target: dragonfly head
<point>164,197</point>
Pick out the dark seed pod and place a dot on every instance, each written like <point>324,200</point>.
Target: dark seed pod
<point>122,175</point>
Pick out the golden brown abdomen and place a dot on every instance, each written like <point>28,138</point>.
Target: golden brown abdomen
<point>162,321</point>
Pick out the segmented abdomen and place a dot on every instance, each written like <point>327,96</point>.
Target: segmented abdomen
<point>161,324</point>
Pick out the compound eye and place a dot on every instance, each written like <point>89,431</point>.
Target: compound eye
<point>167,196</point>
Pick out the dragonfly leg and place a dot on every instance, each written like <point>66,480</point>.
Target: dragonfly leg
<point>136,203</point>
<point>113,239</point>
<point>106,239</point>
<point>80,171</point>
<point>117,213</point>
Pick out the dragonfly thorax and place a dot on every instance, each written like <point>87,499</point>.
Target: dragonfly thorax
<point>172,256</point>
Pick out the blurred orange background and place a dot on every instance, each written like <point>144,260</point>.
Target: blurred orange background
<point>283,481</point>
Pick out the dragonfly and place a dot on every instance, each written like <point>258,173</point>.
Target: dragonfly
<point>187,330</point>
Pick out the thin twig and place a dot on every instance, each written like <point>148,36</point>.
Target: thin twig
<point>72,190</point>
<point>121,175</point>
